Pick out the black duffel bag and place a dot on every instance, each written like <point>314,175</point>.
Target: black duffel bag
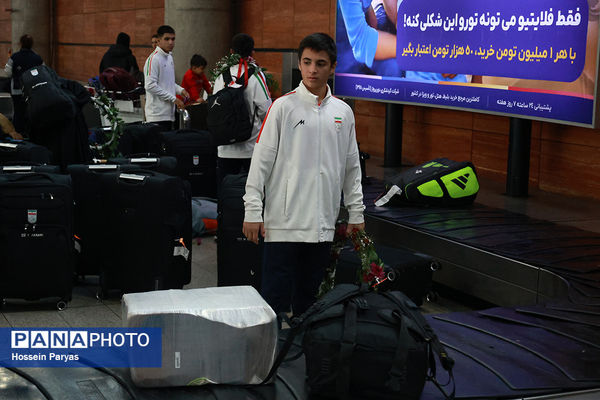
<point>362,344</point>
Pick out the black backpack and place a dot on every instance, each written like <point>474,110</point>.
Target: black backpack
<point>46,99</point>
<point>227,118</point>
<point>362,344</point>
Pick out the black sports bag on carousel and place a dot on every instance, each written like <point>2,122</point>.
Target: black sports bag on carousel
<point>439,182</point>
<point>362,344</point>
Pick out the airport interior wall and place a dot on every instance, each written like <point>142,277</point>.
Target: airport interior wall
<point>564,159</point>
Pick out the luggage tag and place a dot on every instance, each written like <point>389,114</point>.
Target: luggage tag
<point>181,250</point>
<point>385,198</point>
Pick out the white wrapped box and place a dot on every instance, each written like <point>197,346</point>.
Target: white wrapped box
<point>214,335</point>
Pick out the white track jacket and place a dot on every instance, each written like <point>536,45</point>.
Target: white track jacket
<point>159,82</point>
<point>305,157</point>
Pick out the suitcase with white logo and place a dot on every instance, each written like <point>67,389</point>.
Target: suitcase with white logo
<point>196,159</point>
<point>36,237</point>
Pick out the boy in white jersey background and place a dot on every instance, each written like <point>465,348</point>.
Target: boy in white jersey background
<point>306,156</point>
<point>159,82</point>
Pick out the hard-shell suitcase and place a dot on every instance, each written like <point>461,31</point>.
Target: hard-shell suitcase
<point>406,271</point>
<point>196,159</point>
<point>20,150</point>
<point>88,196</point>
<point>36,236</point>
<point>239,262</point>
<point>165,164</point>
<point>147,230</point>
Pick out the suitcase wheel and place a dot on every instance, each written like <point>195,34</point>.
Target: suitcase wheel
<point>435,265</point>
<point>61,305</point>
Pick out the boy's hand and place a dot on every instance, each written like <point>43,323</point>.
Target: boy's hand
<point>252,229</point>
<point>179,104</point>
<point>352,227</point>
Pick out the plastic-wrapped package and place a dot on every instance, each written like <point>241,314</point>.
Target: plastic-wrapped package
<point>225,335</point>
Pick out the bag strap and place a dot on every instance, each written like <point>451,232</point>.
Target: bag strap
<point>434,345</point>
<point>299,324</point>
<point>347,346</point>
<point>397,374</point>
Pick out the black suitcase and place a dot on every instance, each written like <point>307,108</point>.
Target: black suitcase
<point>88,196</point>
<point>140,138</point>
<point>196,159</point>
<point>197,114</point>
<point>20,150</point>
<point>147,232</point>
<point>408,272</point>
<point>165,165</point>
<point>239,262</point>
<point>36,236</point>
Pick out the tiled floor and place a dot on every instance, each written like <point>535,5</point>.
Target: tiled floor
<point>86,311</point>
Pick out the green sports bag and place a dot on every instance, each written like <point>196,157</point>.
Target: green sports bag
<point>439,182</point>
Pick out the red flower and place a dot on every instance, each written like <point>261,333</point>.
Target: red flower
<point>377,271</point>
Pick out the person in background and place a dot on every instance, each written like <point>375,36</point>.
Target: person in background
<point>160,85</point>
<point>120,55</point>
<point>17,64</point>
<point>195,81</point>
<point>154,41</point>
<point>7,128</point>
<point>235,158</point>
<point>306,156</point>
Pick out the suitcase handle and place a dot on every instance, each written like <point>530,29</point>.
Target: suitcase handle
<point>21,177</point>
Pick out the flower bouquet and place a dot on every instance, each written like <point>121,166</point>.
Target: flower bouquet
<point>371,269</point>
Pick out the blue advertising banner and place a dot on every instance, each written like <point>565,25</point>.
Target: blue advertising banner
<point>81,347</point>
<point>533,39</point>
<point>535,59</point>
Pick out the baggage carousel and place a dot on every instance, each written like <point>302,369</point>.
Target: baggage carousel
<point>542,342</point>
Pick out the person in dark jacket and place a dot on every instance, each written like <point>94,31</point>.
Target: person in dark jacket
<point>120,55</point>
<point>18,63</point>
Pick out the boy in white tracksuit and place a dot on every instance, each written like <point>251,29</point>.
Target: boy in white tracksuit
<point>159,81</point>
<point>305,157</point>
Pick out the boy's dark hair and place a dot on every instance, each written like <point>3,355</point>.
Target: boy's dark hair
<point>198,61</point>
<point>26,41</point>
<point>154,36</point>
<point>123,39</point>
<point>242,44</point>
<point>164,29</point>
<point>319,42</point>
